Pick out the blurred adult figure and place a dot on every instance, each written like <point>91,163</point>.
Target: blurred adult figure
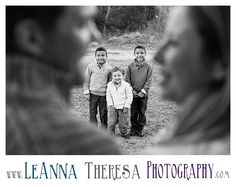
<point>44,45</point>
<point>195,65</point>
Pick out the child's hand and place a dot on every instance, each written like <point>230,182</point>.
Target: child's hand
<point>87,96</point>
<point>141,94</point>
<point>111,109</point>
<point>135,93</point>
<point>125,110</point>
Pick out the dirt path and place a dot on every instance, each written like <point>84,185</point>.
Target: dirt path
<point>159,112</point>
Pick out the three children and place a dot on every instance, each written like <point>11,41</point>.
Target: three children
<point>119,95</point>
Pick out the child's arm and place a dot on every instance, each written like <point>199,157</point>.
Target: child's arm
<point>148,80</point>
<point>109,96</point>
<point>87,81</point>
<point>129,95</point>
<point>109,77</point>
<point>128,75</point>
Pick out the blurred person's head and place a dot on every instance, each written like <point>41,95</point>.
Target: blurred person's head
<point>55,35</point>
<point>140,53</point>
<point>117,74</point>
<point>195,60</point>
<point>101,55</point>
<point>195,51</point>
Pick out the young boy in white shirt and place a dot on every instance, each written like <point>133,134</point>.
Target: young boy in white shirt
<point>119,98</point>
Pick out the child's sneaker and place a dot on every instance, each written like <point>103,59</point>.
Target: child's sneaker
<point>140,134</point>
<point>132,133</point>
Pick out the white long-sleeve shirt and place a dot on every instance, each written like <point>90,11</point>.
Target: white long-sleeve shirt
<point>120,96</point>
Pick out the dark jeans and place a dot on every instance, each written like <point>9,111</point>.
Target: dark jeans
<point>95,102</point>
<point>138,109</point>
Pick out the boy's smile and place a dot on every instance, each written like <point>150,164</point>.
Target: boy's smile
<point>117,77</point>
<point>101,57</point>
<point>140,55</point>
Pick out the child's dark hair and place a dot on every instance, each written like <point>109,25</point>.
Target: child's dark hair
<point>140,47</point>
<point>101,49</point>
<point>116,68</point>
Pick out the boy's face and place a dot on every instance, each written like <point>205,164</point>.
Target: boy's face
<point>101,57</point>
<point>117,77</point>
<point>139,54</point>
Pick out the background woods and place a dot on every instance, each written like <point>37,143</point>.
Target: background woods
<point>132,24</point>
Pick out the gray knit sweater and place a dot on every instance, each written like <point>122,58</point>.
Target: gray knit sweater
<point>97,78</point>
<point>139,76</point>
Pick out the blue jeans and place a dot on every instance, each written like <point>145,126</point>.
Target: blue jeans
<point>95,102</point>
<point>118,116</point>
<point>138,118</point>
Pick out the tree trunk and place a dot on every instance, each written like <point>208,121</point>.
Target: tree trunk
<point>146,13</point>
<point>106,18</point>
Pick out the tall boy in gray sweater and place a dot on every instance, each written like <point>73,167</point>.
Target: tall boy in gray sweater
<point>139,75</point>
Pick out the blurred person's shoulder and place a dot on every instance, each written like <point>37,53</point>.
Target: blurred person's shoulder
<point>87,139</point>
<point>215,147</point>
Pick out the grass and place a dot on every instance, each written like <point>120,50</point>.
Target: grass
<point>159,112</point>
<point>129,40</point>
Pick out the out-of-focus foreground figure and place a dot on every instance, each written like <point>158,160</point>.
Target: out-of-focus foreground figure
<point>44,46</point>
<point>195,65</point>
